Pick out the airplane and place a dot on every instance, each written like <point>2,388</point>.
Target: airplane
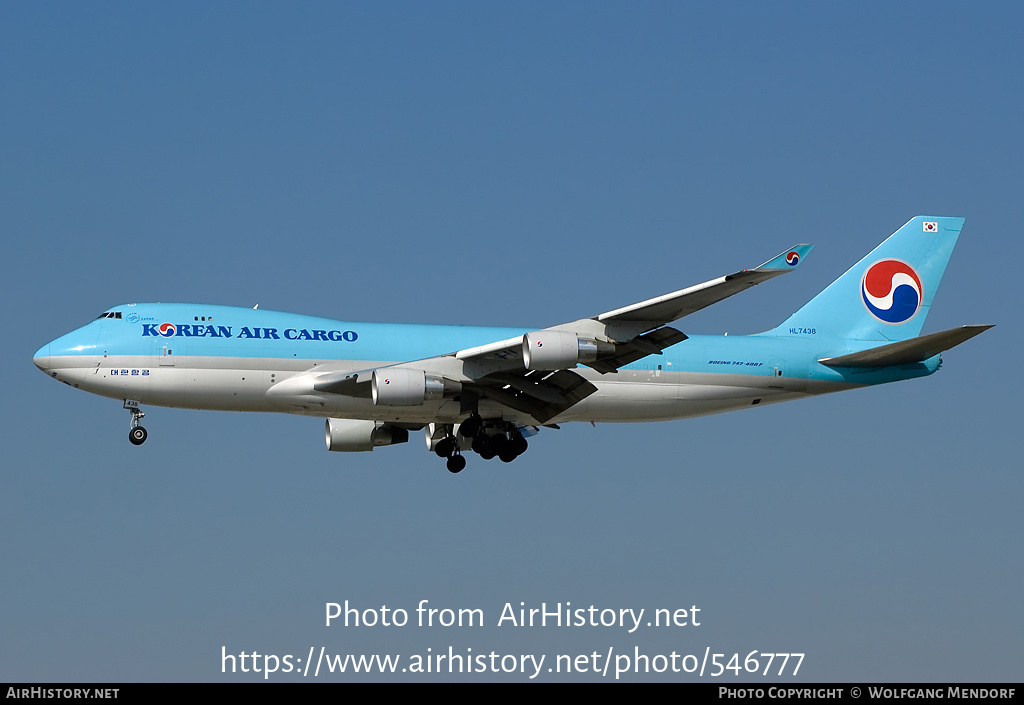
<point>489,389</point>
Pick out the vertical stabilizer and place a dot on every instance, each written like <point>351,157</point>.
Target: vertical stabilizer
<point>886,296</point>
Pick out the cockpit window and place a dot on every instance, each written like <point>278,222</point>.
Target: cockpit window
<point>109,314</point>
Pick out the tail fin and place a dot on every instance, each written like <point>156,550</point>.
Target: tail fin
<point>886,296</point>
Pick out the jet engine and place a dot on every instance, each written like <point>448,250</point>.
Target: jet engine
<point>350,435</point>
<point>560,350</point>
<point>397,386</point>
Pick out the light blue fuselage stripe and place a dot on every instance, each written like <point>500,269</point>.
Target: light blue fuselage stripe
<point>260,334</point>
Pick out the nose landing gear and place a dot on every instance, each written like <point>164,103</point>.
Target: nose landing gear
<point>137,434</point>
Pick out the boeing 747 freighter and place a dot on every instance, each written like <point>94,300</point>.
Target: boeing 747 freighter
<point>489,389</point>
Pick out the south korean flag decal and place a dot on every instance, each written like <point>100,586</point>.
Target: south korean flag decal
<point>931,226</point>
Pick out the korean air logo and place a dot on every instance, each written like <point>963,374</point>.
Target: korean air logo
<point>166,329</point>
<point>793,259</point>
<point>891,291</point>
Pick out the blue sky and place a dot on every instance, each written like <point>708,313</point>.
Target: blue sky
<point>522,165</point>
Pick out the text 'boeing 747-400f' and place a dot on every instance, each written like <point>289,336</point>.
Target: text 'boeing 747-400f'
<point>488,389</point>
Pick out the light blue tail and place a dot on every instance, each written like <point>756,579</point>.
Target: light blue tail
<point>886,296</point>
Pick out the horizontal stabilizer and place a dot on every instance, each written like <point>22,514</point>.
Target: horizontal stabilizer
<point>907,351</point>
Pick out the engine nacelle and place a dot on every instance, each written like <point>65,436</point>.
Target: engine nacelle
<point>397,386</point>
<point>352,435</point>
<point>560,350</point>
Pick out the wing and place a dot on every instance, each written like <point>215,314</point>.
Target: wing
<point>533,373</point>
<point>671,307</point>
<point>640,329</point>
<point>503,371</point>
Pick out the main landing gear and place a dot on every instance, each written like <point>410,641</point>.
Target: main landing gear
<point>488,439</point>
<point>137,435</point>
<point>448,447</point>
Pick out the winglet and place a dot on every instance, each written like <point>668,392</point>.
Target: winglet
<point>788,259</point>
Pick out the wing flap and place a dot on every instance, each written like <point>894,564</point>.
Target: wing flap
<point>640,347</point>
<point>542,395</point>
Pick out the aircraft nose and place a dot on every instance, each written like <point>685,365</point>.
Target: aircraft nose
<point>42,358</point>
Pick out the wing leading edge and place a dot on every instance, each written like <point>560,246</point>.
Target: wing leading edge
<point>671,307</point>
